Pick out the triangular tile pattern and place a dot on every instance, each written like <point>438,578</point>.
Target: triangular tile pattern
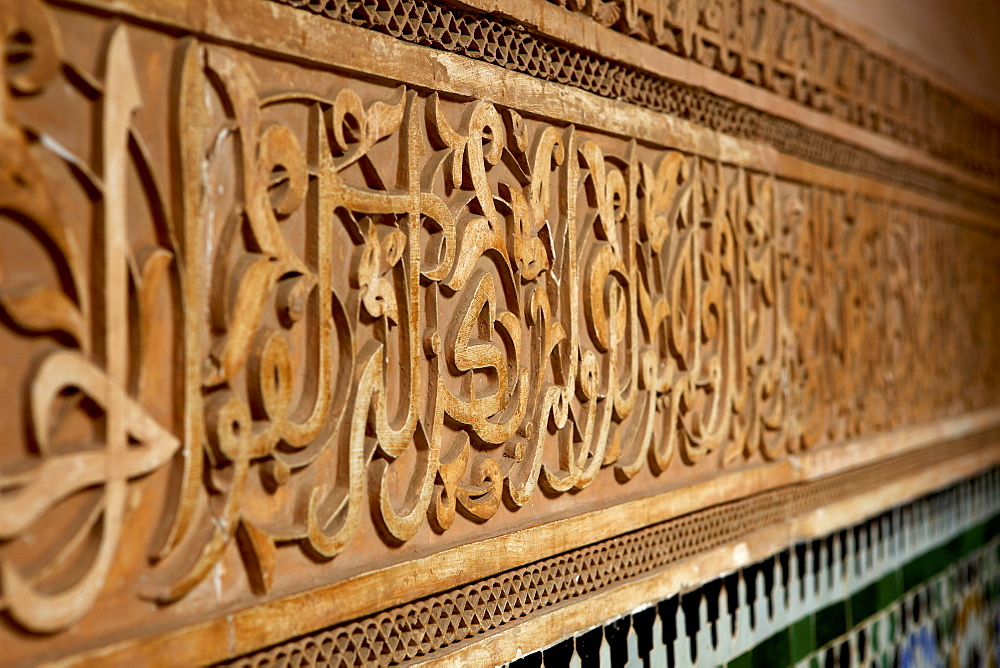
<point>833,569</point>
<point>952,618</point>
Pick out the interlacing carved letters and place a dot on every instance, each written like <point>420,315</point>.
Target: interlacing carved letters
<point>386,303</point>
<point>94,370</point>
<point>778,46</point>
<point>768,43</point>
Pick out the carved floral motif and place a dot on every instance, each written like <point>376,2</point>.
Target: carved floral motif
<point>356,301</point>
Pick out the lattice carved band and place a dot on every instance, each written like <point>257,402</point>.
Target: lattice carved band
<point>429,626</point>
<point>769,43</point>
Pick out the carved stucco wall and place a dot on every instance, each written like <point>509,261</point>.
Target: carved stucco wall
<point>376,331</point>
<point>956,38</point>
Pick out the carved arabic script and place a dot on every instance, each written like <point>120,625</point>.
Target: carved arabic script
<point>307,306</point>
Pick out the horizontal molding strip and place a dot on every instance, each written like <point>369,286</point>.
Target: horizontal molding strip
<point>722,537</point>
<point>896,555</point>
<point>287,32</point>
<point>568,618</point>
<point>513,46</point>
<point>802,50</point>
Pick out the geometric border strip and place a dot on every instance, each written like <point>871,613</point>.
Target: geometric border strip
<point>952,619</point>
<point>509,45</point>
<point>864,590</point>
<point>433,624</point>
<point>812,63</point>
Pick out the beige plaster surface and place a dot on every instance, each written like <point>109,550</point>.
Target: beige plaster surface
<point>958,38</point>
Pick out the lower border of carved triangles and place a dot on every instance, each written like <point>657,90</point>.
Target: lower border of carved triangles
<point>432,624</point>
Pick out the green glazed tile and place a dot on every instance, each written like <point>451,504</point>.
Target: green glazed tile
<point>744,660</point>
<point>993,527</point>
<point>831,622</point>
<point>973,539</point>
<point>865,603</point>
<point>775,651</point>
<point>888,589</point>
<point>803,638</point>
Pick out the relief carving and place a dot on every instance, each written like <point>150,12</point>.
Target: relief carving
<point>781,47</point>
<point>300,307</point>
<point>772,44</point>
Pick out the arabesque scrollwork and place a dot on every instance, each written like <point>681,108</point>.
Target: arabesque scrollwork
<point>301,307</point>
